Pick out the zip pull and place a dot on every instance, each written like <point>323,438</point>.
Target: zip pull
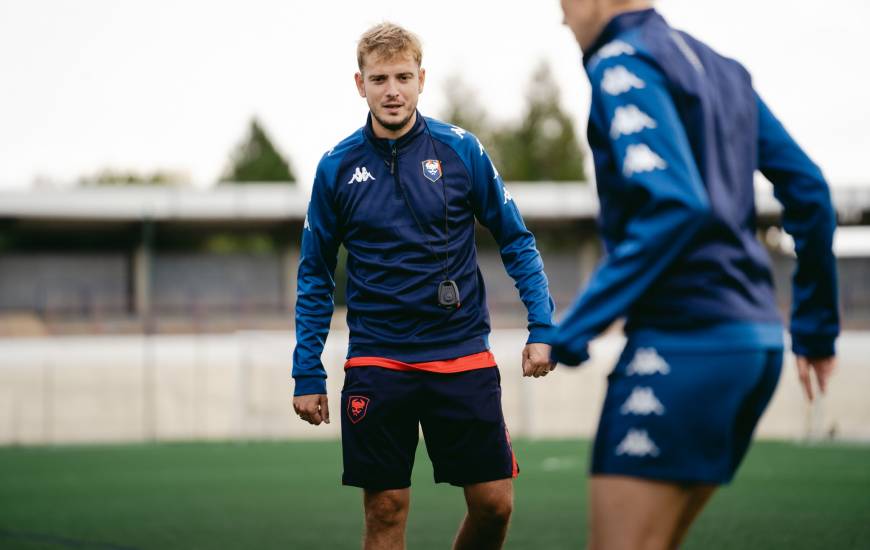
<point>393,163</point>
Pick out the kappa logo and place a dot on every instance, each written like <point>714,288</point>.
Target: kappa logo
<point>618,80</point>
<point>458,131</point>
<point>357,407</point>
<point>507,195</point>
<point>647,361</point>
<point>615,49</point>
<point>432,170</point>
<point>643,402</point>
<point>630,120</point>
<point>360,175</point>
<point>637,443</point>
<point>306,225</point>
<point>640,158</point>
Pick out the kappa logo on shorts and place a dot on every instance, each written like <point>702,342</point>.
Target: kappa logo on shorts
<point>637,443</point>
<point>357,406</point>
<point>432,170</point>
<point>643,402</point>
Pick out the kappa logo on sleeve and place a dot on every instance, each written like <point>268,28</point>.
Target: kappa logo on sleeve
<point>618,80</point>
<point>630,120</point>
<point>357,407</point>
<point>458,131</point>
<point>432,170</point>
<point>640,158</point>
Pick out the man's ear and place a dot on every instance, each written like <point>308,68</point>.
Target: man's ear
<point>360,84</point>
<point>422,78</point>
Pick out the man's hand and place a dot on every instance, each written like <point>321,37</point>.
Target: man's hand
<point>823,367</point>
<point>313,409</point>
<point>536,360</point>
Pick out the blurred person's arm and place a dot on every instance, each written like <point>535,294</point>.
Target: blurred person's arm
<point>809,217</point>
<point>659,174</point>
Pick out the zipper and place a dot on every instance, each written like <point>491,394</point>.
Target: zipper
<point>394,162</point>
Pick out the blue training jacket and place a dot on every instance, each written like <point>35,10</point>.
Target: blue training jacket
<point>677,132</point>
<point>366,195</point>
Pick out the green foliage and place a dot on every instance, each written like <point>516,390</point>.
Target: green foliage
<point>544,146</point>
<point>541,146</point>
<point>256,159</point>
<point>112,176</point>
<point>464,110</point>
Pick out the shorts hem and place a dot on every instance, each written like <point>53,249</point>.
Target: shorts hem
<point>664,476</point>
<point>375,486</point>
<point>478,479</point>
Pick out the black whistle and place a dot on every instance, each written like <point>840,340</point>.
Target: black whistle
<point>448,295</point>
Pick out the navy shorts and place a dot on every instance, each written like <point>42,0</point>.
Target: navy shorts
<point>683,416</point>
<point>382,411</point>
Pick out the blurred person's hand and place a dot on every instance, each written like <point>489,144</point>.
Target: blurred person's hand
<point>536,360</point>
<point>823,367</point>
<point>313,409</point>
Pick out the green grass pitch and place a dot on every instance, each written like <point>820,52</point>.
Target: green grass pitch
<point>288,495</point>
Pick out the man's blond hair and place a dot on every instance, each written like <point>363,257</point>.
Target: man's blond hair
<point>387,41</point>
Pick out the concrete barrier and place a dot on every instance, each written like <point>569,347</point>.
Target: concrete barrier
<point>238,386</point>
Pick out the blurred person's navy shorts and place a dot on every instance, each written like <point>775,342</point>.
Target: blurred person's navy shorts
<point>382,411</point>
<point>680,410</point>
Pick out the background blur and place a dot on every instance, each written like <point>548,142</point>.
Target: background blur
<point>155,167</point>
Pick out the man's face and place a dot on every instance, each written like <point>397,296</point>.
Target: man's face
<point>585,18</point>
<point>391,88</point>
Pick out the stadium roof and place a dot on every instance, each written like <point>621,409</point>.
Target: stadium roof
<point>276,202</point>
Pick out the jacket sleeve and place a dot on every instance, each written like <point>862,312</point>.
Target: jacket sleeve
<point>809,217</point>
<point>495,209</point>
<point>315,287</point>
<point>633,109</point>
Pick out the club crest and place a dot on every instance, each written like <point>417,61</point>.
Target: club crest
<point>432,170</point>
<point>357,406</point>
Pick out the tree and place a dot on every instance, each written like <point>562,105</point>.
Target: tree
<point>544,146</point>
<point>464,110</point>
<point>255,159</point>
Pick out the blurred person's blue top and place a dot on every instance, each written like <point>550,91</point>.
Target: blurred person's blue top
<point>366,195</point>
<point>677,132</point>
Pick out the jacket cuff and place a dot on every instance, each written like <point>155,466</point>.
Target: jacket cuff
<point>562,353</point>
<point>309,385</point>
<point>813,345</point>
<point>539,335</point>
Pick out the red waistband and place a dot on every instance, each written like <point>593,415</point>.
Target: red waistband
<point>482,360</point>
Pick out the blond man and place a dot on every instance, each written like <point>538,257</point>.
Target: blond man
<point>402,195</point>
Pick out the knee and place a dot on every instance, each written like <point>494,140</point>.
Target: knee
<point>386,510</point>
<point>495,509</point>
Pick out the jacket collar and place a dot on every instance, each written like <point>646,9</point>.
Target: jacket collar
<point>384,145</point>
<point>619,24</point>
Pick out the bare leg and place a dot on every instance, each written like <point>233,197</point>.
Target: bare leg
<point>699,497</point>
<point>633,513</point>
<point>489,511</point>
<point>386,515</point>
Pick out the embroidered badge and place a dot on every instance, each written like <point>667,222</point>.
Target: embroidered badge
<point>432,170</point>
<point>357,406</point>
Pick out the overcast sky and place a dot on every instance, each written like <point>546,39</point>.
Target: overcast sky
<point>171,85</point>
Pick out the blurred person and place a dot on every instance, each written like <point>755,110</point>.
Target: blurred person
<point>677,132</point>
<point>402,194</point>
